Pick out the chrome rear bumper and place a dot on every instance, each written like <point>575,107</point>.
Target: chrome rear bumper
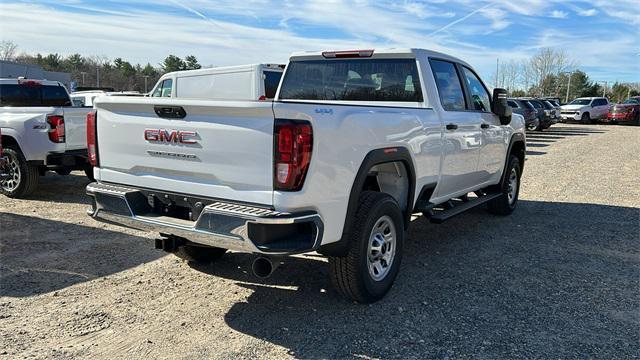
<point>232,226</point>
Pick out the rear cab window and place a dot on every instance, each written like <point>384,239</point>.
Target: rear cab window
<point>33,94</point>
<point>372,80</point>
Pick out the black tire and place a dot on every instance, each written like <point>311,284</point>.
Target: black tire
<point>63,172</point>
<point>88,170</point>
<point>350,274</point>
<point>199,254</point>
<point>26,181</point>
<point>503,205</point>
<point>586,118</point>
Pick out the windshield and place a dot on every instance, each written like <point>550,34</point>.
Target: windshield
<point>352,79</point>
<point>632,101</point>
<point>580,102</point>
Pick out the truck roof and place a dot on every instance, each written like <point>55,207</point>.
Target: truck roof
<point>379,53</point>
<point>215,70</point>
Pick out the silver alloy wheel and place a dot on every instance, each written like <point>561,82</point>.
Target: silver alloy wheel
<point>513,186</point>
<point>13,168</point>
<point>382,248</point>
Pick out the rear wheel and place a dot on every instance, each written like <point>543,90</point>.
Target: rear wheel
<point>23,177</point>
<point>510,188</point>
<point>376,241</point>
<point>199,254</point>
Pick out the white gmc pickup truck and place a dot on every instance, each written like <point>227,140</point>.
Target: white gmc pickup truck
<point>40,131</point>
<point>354,143</point>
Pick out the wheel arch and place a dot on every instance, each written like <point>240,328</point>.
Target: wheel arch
<point>374,158</point>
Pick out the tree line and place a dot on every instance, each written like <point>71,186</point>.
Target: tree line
<point>551,72</point>
<point>100,71</point>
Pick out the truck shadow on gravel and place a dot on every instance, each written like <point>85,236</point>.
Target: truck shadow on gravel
<point>39,256</point>
<point>67,189</point>
<point>553,280</point>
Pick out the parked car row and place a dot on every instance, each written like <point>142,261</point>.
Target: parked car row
<point>626,112</point>
<point>539,114</point>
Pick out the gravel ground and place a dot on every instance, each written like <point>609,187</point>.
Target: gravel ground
<point>560,278</point>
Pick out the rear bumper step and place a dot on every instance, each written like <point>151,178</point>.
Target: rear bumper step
<point>239,227</point>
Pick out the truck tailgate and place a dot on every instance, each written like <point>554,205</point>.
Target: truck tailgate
<point>220,149</point>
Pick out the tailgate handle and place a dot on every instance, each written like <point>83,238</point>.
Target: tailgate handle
<point>170,112</point>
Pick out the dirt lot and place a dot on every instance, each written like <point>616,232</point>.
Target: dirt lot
<point>558,279</point>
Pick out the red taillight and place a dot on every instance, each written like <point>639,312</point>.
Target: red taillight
<point>92,135</point>
<point>293,145</point>
<point>56,134</point>
<point>262,98</point>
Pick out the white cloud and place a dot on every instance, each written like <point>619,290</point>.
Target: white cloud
<point>590,12</point>
<point>559,14</point>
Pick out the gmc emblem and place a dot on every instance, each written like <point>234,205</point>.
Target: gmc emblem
<point>170,136</point>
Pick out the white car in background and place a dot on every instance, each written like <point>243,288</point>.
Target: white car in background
<point>585,109</point>
<point>243,82</point>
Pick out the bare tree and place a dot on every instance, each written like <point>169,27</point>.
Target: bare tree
<point>8,50</point>
<point>547,62</point>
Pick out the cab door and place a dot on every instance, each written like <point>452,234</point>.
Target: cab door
<point>493,144</point>
<point>462,133</point>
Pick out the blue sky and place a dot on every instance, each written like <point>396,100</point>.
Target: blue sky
<point>601,36</point>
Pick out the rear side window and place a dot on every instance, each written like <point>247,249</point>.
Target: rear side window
<point>271,81</point>
<point>536,104</point>
<point>481,101</point>
<point>352,80</point>
<point>513,104</point>
<point>449,85</point>
<point>33,95</point>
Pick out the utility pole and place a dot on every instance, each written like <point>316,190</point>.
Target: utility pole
<point>83,74</point>
<point>145,82</point>
<point>98,76</point>
<point>566,100</point>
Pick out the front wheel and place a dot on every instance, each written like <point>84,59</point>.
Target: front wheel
<point>586,118</point>
<point>23,177</point>
<point>510,189</point>
<point>376,241</point>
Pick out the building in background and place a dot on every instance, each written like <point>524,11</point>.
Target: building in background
<point>14,70</point>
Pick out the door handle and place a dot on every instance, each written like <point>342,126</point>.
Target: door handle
<point>452,126</point>
<point>485,126</point>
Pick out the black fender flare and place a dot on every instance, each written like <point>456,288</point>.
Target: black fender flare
<point>515,139</point>
<point>374,157</point>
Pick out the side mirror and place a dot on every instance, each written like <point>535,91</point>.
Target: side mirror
<point>500,106</point>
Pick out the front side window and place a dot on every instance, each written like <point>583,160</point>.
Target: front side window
<point>166,88</point>
<point>481,101</point>
<point>449,85</point>
<point>352,80</point>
